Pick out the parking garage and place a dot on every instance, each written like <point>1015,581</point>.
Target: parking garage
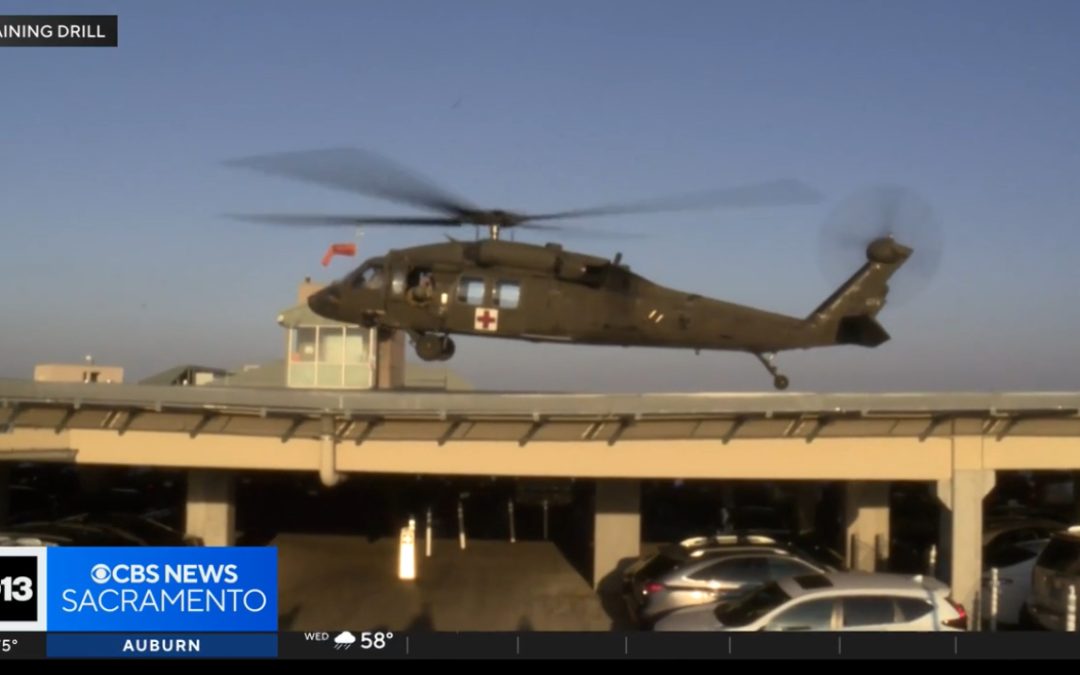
<point>954,443</point>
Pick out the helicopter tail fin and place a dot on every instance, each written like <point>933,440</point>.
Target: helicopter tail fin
<point>847,316</point>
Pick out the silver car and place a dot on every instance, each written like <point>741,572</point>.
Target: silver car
<point>848,601</point>
<point>685,576</point>
<point>1015,565</point>
<point>1056,570</point>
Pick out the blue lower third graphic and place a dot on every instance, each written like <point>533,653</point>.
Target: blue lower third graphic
<point>149,589</point>
<point>161,645</point>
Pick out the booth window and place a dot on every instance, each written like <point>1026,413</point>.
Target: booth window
<point>303,347</point>
<point>355,345</point>
<point>331,345</point>
<point>330,357</point>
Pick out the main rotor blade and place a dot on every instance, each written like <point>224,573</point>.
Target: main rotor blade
<point>359,171</point>
<point>546,228</point>
<point>581,232</point>
<point>315,220</point>
<point>770,193</point>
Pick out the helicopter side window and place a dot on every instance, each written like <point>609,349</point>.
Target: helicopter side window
<point>471,291</point>
<point>507,294</point>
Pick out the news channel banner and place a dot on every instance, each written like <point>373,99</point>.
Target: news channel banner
<point>110,602</point>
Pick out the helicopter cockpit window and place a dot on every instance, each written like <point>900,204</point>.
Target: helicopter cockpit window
<point>507,294</point>
<point>370,276</point>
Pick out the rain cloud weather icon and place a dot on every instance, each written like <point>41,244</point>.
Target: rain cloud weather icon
<point>344,640</point>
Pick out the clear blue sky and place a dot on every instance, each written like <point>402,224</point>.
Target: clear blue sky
<point>111,182</point>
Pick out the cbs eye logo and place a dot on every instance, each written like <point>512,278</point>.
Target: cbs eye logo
<point>100,573</point>
<point>18,586</point>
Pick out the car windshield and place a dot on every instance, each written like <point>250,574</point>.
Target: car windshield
<point>752,607</point>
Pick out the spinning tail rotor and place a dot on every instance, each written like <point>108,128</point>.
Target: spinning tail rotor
<point>862,226</point>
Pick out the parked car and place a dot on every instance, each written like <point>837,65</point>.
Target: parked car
<point>1005,531</point>
<point>707,569</point>
<point>148,530</point>
<point>1056,570</point>
<point>837,601</point>
<point>101,529</point>
<point>1015,564</point>
<point>27,502</point>
<point>63,534</point>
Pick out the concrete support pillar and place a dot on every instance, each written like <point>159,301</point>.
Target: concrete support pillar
<point>617,533</point>
<point>328,472</point>
<point>211,507</point>
<point>5,493</point>
<point>866,516</point>
<point>390,360</point>
<point>961,548</point>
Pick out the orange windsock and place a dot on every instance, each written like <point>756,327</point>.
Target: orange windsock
<point>338,249</point>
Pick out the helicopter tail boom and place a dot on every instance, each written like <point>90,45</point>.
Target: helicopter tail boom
<point>848,315</point>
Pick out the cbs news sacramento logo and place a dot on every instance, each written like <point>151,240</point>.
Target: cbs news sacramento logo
<point>139,589</point>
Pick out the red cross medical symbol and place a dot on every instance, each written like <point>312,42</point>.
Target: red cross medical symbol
<point>486,319</point>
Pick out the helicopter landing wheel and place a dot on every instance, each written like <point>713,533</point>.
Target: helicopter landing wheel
<point>780,381</point>
<point>429,347</point>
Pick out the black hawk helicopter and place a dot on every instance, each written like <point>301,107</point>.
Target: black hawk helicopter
<point>544,293</point>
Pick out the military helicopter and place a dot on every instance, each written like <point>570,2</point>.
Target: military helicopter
<point>544,293</point>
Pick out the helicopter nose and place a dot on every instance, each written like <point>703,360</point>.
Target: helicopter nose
<point>326,302</point>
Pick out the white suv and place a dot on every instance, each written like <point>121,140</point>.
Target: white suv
<point>1056,570</point>
<point>839,601</point>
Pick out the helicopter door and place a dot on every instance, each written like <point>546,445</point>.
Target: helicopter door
<point>470,308</point>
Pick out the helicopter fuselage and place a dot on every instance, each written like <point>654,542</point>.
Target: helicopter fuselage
<point>495,288</point>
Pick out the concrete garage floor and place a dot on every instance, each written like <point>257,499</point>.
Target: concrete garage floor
<point>347,582</point>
